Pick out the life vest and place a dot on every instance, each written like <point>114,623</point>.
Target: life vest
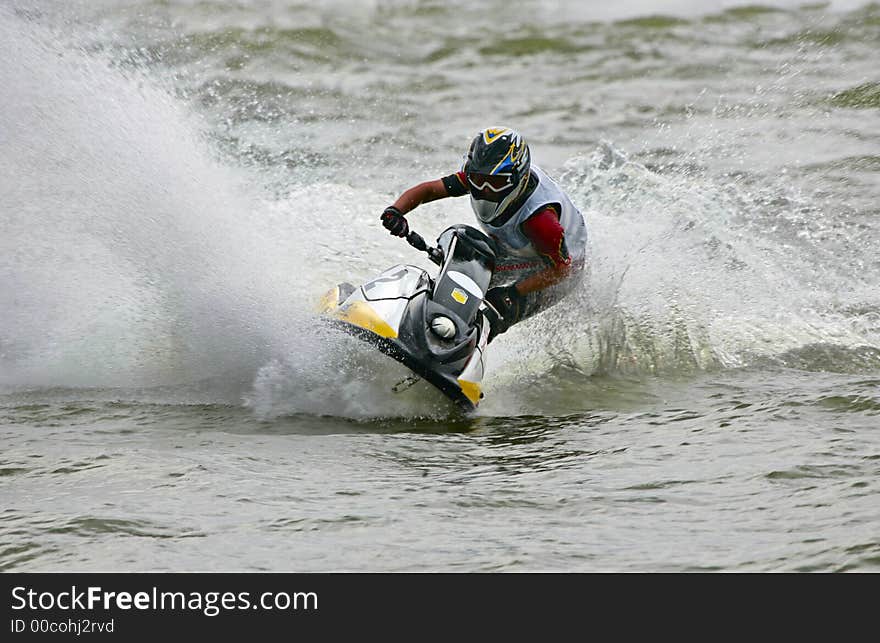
<point>517,252</point>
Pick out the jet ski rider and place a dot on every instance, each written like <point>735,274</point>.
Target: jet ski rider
<point>540,235</point>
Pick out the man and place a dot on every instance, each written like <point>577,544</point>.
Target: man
<point>540,235</point>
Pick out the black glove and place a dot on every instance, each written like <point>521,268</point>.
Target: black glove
<point>506,301</point>
<point>395,222</point>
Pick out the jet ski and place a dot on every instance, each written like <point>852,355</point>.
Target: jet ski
<point>437,327</point>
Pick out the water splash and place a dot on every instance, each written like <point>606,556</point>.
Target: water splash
<point>683,278</point>
<point>133,258</point>
<point>342,376</point>
<point>130,257</point>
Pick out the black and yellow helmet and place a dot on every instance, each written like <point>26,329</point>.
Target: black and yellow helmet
<point>497,170</point>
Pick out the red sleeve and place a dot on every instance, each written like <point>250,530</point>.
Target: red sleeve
<point>547,235</point>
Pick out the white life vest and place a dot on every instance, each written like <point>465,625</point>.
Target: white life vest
<point>516,246</point>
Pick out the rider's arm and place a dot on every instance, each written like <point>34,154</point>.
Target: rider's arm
<point>548,237</point>
<point>452,185</point>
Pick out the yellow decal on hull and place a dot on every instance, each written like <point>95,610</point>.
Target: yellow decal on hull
<point>471,391</point>
<point>361,314</point>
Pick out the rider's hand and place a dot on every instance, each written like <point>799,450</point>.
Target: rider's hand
<point>505,300</point>
<point>395,222</point>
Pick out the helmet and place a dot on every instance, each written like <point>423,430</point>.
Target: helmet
<point>497,170</point>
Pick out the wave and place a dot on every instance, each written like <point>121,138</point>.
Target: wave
<point>864,96</point>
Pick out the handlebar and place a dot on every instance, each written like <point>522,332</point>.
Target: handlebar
<point>416,241</point>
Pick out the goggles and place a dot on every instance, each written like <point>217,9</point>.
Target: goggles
<point>489,186</point>
<point>494,182</point>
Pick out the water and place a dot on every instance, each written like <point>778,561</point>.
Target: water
<point>182,181</point>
